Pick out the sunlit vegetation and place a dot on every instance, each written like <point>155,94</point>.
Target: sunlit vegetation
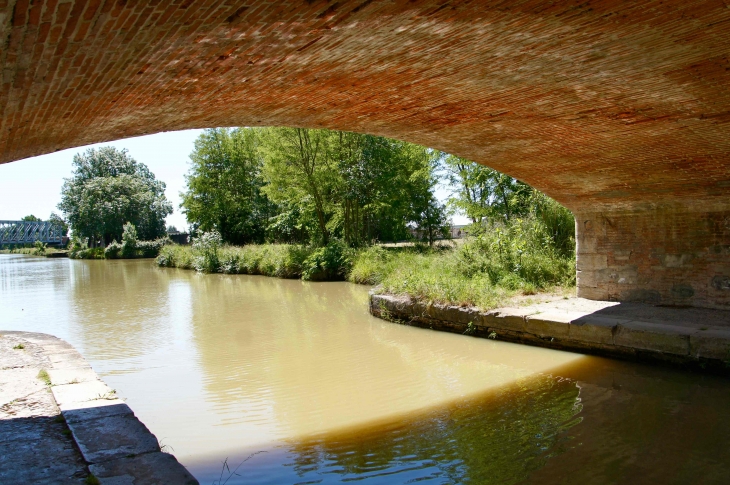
<point>129,248</point>
<point>107,189</point>
<point>515,257</point>
<point>300,186</point>
<point>316,204</point>
<point>508,259</point>
<point>38,249</point>
<point>209,255</point>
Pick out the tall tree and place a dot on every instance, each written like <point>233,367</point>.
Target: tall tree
<point>59,223</point>
<point>224,186</point>
<point>299,170</point>
<point>109,188</point>
<point>383,181</point>
<point>481,192</point>
<point>304,185</point>
<point>356,187</point>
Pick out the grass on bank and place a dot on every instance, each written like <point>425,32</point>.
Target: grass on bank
<point>37,249</point>
<point>503,262</point>
<point>129,248</point>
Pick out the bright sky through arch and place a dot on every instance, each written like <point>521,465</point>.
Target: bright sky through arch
<point>33,185</point>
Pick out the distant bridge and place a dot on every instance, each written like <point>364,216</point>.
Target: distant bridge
<point>28,232</point>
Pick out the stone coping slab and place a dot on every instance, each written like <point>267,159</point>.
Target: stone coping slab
<point>158,468</point>
<point>695,338</point>
<point>117,446</point>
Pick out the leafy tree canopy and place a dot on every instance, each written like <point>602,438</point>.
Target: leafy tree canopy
<point>483,193</point>
<point>360,188</point>
<point>109,188</point>
<point>57,221</point>
<point>224,186</point>
<point>303,185</point>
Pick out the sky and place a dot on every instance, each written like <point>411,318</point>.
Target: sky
<point>33,185</point>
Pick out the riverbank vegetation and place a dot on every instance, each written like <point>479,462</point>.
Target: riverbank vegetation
<point>319,205</point>
<point>506,258</point>
<point>129,248</point>
<point>108,189</point>
<point>37,249</point>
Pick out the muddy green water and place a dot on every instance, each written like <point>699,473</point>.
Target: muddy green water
<point>222,367</point>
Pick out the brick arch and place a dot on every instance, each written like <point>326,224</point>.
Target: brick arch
<point>620,110</point>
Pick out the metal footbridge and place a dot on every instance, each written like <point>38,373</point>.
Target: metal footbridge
<point>28,232</point>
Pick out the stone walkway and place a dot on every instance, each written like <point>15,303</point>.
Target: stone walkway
<point>696,338</point>
<point>59,423</point>
<point>35,443</point>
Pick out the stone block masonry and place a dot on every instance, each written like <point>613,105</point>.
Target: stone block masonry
<point>110,442</point>
<point>675,257</point>
<point>696,338</point>
<point>619,110</point>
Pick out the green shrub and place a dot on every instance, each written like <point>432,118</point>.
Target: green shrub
<point>206,249</point>
<point>88,253</point>
<point>523,247</point>
<point>174,256</point>
<point>113,250</point>
<point>505,259</point>
<point>136,249</point>
<point>328,263</point>
<point>39,248</point>
<point>150,249</point>
<point>370,266</point>
<point>129,241</point>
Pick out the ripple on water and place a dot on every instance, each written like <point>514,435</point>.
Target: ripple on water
<point>223,366</point>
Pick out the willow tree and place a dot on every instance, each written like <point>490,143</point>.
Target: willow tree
<point>300,172</point>
<point>352,186</point>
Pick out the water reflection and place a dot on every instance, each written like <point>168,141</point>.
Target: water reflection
<point>221,366</point>
<point>499,437</point>
<point>121,308</point>
<point>645,425</point>
<point>288,358</point>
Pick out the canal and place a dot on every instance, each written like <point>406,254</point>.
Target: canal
<point>301,379</point>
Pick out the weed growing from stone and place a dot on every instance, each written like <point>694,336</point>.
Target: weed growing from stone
<point>92,480</point>
<point>233,473</point>
<point>19,347</point>
<point>111,395</point>
<point>164,447</point>
<point>43,375</point>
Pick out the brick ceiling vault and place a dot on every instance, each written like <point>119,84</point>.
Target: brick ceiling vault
<point>601,104</point>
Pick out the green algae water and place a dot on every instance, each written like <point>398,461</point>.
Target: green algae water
<point>263,381</point>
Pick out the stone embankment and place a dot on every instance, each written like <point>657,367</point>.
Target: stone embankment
<point>59,423</point>
<point>690,337</point>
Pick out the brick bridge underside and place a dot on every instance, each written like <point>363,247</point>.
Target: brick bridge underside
<point>619,110</point>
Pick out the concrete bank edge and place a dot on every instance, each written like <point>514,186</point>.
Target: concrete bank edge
<point>117,446</point>
<point>704,349</point>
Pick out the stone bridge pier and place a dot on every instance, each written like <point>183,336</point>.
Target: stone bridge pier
<point>664,256</point>
<point>619,110</point>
